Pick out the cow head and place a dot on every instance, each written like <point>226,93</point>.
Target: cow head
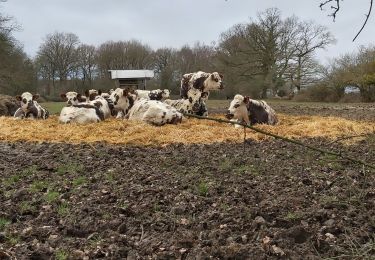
<point>91,94</point>
<point>165,93</point>
<point>208,81</point>
<point>238,109</point>
<point>72,98</point>
<point>27,99</point>
<point>122,99</point>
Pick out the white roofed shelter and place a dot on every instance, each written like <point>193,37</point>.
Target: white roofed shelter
<point>135,79</point>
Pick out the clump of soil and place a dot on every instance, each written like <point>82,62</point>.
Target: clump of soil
<point>272,200</point>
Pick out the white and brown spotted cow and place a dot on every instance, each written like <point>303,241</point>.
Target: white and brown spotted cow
<point>150,111</point>
<point>156,94</point>
<point>91,111</point>
<point>73,98</point>
<point>192,104</point>
<point>122,101</point>
<point>154,112</point>
<point>205,82</point>
<point>30,108</point>
<point>202,81</point>
<point>250,111</point>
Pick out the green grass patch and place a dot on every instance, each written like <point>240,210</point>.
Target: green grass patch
<point>70,168</point>
<point>38,186</point>
<point>54,107</point>
<point>202,189</point>
<point>79,181</point>
<point>26,207</point>
<point>51,196</point>
<point>63,209</point>
<point>61,254</point>
<point>3,223</point>
<point>13,239</point>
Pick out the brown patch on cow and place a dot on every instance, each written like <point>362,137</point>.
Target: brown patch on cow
<point>80,98</point>
<point>98,104</point>
<point>63,96</point>
<point>199,83</point>
<point>35,97</point>
<point>19,98</point>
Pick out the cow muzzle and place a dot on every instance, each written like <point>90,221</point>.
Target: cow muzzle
<point>229,116</point>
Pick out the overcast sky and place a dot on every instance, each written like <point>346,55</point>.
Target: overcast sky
<point>174,23</point>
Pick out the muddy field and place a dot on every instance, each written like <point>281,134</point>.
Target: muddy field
<point>265,200</point>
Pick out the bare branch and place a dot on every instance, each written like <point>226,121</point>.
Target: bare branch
<point>365,22</point>
<point>335,8</point>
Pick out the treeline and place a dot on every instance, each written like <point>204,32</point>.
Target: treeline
<point>267,56</point>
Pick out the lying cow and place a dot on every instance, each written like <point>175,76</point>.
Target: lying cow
<point>156,94</point>
<point>122,101</point>
<point>30,108</point>
<point>93,111</point>
<point>249,111</point>
<point>150,111</point>
<point>72,98</point>
<point>154,112</point>
<point>194,104</point>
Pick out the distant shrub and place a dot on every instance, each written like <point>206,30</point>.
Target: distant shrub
<point>318,94</point>
<point>351,98</point>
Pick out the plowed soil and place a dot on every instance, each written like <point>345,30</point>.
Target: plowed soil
<point>262,200</point>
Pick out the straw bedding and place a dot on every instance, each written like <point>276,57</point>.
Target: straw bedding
<point>116,131</point>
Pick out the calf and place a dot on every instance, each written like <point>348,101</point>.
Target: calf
<point>244,109</point>
<point>30,108</point>
<point>156,94</point>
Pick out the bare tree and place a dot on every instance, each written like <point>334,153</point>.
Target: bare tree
<point>86,64</point>
<point>58,56</point>
<point>336,8</point>
<point>123,55</point>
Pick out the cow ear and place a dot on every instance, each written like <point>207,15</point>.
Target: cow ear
<point>125,92</point>
<point>110,91</point>
<point>204,95</point>
<point>221,76</point>
<point>63,96</point>
<point>35,97</point>
<point>246,99</point>
<point>87,93</point>
<point>100,92</point>
<point>19,98</point>
<point>80,99</point>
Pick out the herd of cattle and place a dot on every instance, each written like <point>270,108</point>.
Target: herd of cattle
<point>151,106</point>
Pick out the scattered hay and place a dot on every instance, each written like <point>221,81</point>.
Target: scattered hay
<point>190,131</point>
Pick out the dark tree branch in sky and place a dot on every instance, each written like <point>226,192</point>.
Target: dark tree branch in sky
<point>336,9</point>
<point>367,16</point>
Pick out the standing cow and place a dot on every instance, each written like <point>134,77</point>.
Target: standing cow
<point>204,82</point>
<point>30,108</point>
